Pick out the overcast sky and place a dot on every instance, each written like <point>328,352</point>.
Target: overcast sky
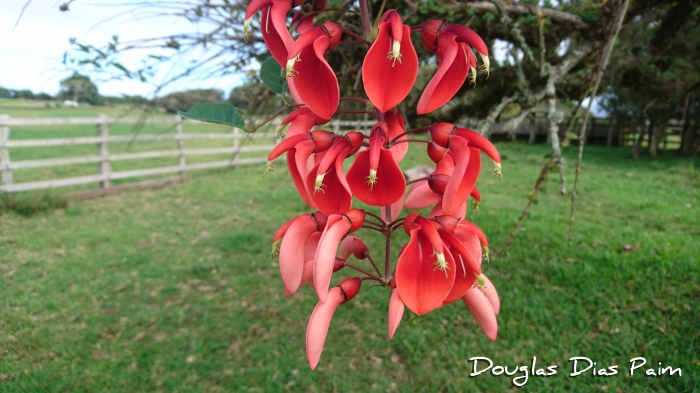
<point>31,52</point>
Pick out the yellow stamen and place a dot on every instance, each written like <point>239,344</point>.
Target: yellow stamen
<point>486,65</point>
<point>441,263</point>
<point>318,184</point>
<point>246,28</point>
<point>395,53</point>
<point>269,168</point>
<point>497,169</point>
<point>290,71</point>
<point>372,178</point>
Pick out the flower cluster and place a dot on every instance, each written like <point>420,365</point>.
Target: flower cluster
<point>442,260</point>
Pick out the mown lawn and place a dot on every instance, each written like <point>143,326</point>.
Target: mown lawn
<point>173,290</point>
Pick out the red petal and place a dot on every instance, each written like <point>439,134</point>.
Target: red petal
<point>480,142</point>
<point>389,187</point>
<point>421,286</point>
<point>335,197</point>
<point>278,40</point>
<point>452,71</point>
<point>298,177</point>
<point>453,197</point>
<point>315,81</point>
<point>320,321</point>
<point>463,282</point>
<point>388,82</point>
<point>460,212</point>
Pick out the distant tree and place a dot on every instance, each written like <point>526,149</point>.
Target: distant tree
<point>6,93</point>
<point>79,88</point>
<point>183,100</point>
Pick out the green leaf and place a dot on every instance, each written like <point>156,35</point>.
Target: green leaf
<point>216,113</point>
<point>271,75</point>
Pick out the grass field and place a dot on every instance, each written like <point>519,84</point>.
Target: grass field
<point>173,290</point>
<point>31,109</point>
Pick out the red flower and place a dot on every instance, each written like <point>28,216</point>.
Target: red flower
<point>391,65</point>
<point>326,181</point>
<point>375,178</point>
<point>273,24</point>
<point>452,44</point>
<point>424,273</point>
<point>299,149</point>
<point>309,73</point>
<point>320,320</point>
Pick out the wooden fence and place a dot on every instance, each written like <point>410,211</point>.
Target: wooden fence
<point>103,158</point>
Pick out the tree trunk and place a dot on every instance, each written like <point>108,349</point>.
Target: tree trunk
<point>686,134</point>
<point>653,142</point>
<point>637,147</point>
<point>611,128</point>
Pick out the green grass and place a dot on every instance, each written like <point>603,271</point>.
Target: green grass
<point>173,290</point>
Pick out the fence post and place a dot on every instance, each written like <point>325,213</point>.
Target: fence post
<point>181,157</point>
<point>4,151</point>
<point>103,151</point>
<point>236,147</point>
<point>336,126</point>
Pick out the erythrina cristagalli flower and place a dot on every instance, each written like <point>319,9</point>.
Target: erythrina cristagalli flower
<point>440,261</point>
<point>391,65</point>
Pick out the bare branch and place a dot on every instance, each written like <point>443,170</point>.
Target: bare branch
<point>607,50</point>
<point>522,9</point>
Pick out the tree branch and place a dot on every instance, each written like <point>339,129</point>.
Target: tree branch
<point>598,75</point>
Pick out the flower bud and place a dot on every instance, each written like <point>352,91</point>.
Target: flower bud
<point>323,140</point>
<point>350,287</point>
<point>334,31</point>
<point>338,264</point>
<point>356,218</point>
<point>355,138</point>
<point>449,223</point>
<point>438,183</point>
<point>321,220</point>
<point>359,249</point>
<point>409,221</point>
<point>429,32</point>
<point>436,152</point>
<point>440,133</point>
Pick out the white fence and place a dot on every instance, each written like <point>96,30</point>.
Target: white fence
<point>103,158</point>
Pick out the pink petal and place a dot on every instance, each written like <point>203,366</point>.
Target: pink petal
<point>320,321</point>
<point>482,311</point>
<point>396,308</point>
<point>490,291</point>
<point>420,195</point>
<point>396,208</point>
<point>337,227</point>
<point>292,251</point>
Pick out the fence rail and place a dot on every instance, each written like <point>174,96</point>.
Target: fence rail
<point>103,158</point>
